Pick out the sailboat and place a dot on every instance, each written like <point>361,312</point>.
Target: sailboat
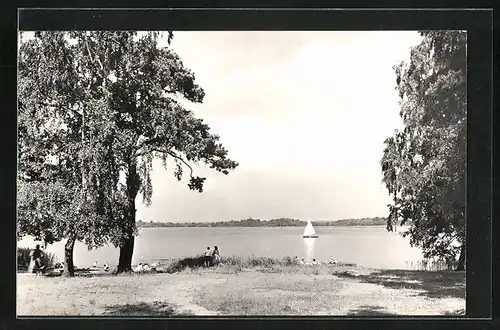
<point>309,231</point>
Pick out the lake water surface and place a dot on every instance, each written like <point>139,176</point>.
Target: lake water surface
<point>370,246</point>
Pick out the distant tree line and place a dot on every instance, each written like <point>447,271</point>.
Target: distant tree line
<point>280,222</point>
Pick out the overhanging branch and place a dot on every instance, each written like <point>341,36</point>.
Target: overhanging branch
<point>182,160</point>
<point>170,153</point>
<point>144,143</point>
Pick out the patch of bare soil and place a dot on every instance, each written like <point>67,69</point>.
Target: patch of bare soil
<point>357,292</point>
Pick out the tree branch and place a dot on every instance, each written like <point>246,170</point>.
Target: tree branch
<point>182,160</point>
<point>58,106</point>
<point>170,154</point>
<point>144,143</point>
<point>88,49</point>
<point>90,54</point>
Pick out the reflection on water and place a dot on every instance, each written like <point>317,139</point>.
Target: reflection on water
<point>309,243</point>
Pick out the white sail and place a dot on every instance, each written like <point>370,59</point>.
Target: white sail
<point>309,230</point>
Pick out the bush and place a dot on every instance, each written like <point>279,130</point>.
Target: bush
<point>231,261</point>
<point>259,261</point>
<point>289,261</point>
<point>23,258</point>
<point>263,262</point>
<point>181,264</point>
<point>236,263</point>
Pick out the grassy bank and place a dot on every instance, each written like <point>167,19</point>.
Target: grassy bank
<point>235,263</point>
<point>246,286</point>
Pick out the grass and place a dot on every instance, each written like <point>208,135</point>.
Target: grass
<point>235,264</point>
<point>367,310</point>
<point>436,284</point>
<point>247,286</point>
<point>274,294</point>
<point>97,295</point>
<point>155,308</point>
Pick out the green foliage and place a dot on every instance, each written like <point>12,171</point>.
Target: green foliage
<point>424,165</point>
<point>95,106</point>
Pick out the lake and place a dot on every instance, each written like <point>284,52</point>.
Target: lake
<point>370,246</point>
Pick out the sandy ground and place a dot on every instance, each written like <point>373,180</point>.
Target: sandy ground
<point>102,295</point>
<point>179,294</point>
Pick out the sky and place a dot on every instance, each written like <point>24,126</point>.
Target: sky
<point>304,113</point>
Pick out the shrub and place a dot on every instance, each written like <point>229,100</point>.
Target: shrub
<point>181,264</point>
<point>23,258</point>
<point>231,261</point>
<point>234,262</point>
<point>289,261</point>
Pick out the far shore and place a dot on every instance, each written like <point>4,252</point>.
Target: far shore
<point>278,222</point>
<point>242,289</point>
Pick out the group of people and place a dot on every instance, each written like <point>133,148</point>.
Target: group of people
<point>211,257</point>
<point>145,267</point>
<point>303,262</point>
<point>331,261</point>
<point>38,267</point>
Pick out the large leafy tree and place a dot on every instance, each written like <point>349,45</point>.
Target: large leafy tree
<point>60,158</point>
<point>123,90</point>
<point>424,165</point>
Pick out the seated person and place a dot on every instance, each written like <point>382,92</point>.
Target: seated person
<point>332,261</point>
<point>138,268</point>
<point>215,256</point>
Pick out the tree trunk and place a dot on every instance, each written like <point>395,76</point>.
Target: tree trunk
<point>69,269</point>
<point>126,252</point>
<point>127,247</point>
<point>461,258</point>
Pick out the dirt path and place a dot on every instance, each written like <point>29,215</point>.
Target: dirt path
<point>111,295</point>
<point>180,292</point>
<point>167,294</point>
<point>373,299</point>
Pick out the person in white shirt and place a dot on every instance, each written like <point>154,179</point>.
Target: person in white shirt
<point>208,257</point>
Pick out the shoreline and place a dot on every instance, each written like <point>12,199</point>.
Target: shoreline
<point>173,264</point>
<point>181,225</point>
